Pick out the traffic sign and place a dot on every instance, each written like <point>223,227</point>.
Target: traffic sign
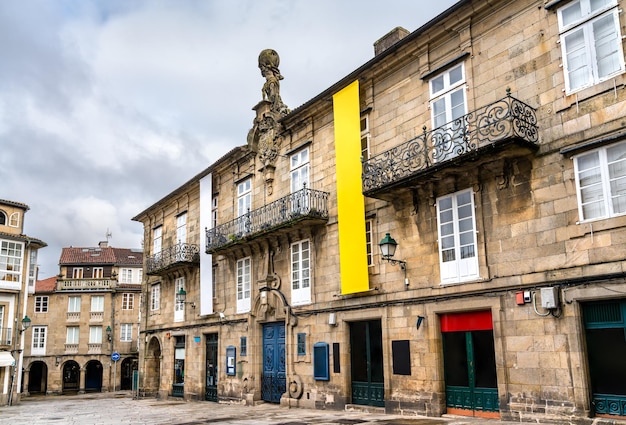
<point>115,356</point>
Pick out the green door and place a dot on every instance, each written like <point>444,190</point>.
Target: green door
<point>469,362</point>
<point>605,331</point>
<point>210,390</point>
<point>366,354</point>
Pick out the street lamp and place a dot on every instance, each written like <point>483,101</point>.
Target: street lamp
<point>108,331</point>
<point>388,249</point>
<point>25,323</point>
<point>181,296</point>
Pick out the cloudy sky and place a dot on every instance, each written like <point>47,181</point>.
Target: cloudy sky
<point>106,106</point>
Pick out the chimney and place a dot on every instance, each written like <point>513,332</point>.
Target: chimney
<point>389,39</point>
<point>103,244</point>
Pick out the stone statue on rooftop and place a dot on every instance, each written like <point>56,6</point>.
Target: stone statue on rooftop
<point>268,64</point>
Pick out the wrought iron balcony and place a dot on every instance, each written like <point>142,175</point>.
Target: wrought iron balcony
<point>181,254</point>
<point>499,127</point>
<point>303,205</point>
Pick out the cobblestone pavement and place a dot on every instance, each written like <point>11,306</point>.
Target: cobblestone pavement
<point>120,408</point>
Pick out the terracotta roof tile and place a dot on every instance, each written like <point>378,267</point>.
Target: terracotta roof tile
<point>46,285</point>
<point>23,238</point>
<point>104,255</point>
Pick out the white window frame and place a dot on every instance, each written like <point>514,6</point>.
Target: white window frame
<point>97,303</point>
<point>73,304</point>
<point>77,273</point>
<point>11,261</point>
<point>444,90</point>
<point>72,335</point>
<point>586,53</point>
<point>95,334</point>
<point>456,226</point>
<point>14,220</point>
<point>598,182</point>
<point>38,343</point>
<point>155,297</point>
<point>244,269</point>
<point>179,307</point>
<point>181,228</point>
<point>41,303</point>
<point>369,235</point>
<point>244,204</point>
<point>128,301</point>
<point>126,332</point>
<point>300,254</point>
<point>214,212</point>
<point>365,137</point>
<point>126,276</point>
<point>157,240</point>
<point>299,169</point>
<point>97,273</point>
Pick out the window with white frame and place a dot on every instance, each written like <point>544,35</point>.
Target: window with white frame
<point>181,228</point>
<point>41,304</point>
<point>5,333</point>
<point>38,346</point>
<point>126,332</point>
<point>243,284</point>
<point>179,306</point>
<point>299,172</point>
<point>77,273</point>
<point>447,105</point>
<point>97,272</point>
<point>95,334</point>
<point>73,304</point>
<point>155,297</point>
<point>157,239</point>
<point>365,137</point>
<point>11,261</point>
<point>368,242</point>
<point>128,301</point>
<point>601,182</point>
<point>32,272</point>
<point>301,272</point>
<point>591,42</point>
<point>126,276</point>
<point>71,336</point>
<point>97,303</point>
<point>214,212</point>
<point>457,237</point>
<point>14,220</point>
<point>244,203</point>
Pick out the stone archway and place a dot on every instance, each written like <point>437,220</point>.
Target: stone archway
<point>38,378</point>
<point>71,377</point>
<point>129,365</point>
<point>152,371</point>
<point>93,376</point>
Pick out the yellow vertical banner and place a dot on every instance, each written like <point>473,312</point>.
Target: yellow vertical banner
<point>350,200</point>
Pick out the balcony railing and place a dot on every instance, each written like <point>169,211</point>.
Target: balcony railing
<point>305,204</point>
<point>181,253</point>
<point>6,336</point>
<point>508,119</point>
<point>84,284</point>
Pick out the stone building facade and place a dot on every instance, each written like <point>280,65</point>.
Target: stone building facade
<point>18,273</point>
<point>80,318</point>
<point>487,148</point>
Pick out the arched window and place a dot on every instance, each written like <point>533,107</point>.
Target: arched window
<point>3,218</point>
<point>14,220</point>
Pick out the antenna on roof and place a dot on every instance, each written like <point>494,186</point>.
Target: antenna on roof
<point>109,235</point>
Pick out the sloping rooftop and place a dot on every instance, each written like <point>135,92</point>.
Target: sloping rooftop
<point>101,255</point>
<point>46,285</point>
<point>23,238</point>
<point>14,204</point>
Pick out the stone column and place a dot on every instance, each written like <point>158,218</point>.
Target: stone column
<point>25,382</point>
<point>81,386</point>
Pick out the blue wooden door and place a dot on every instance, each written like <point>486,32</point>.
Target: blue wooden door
<point>274,381</point>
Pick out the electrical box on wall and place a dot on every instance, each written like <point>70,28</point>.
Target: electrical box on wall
<point>550,297</point>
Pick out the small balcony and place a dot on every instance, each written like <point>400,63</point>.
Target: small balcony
<point>174,257</point>
<point>506,128</point>
<point>306,206</point>
<point>85,284</point>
